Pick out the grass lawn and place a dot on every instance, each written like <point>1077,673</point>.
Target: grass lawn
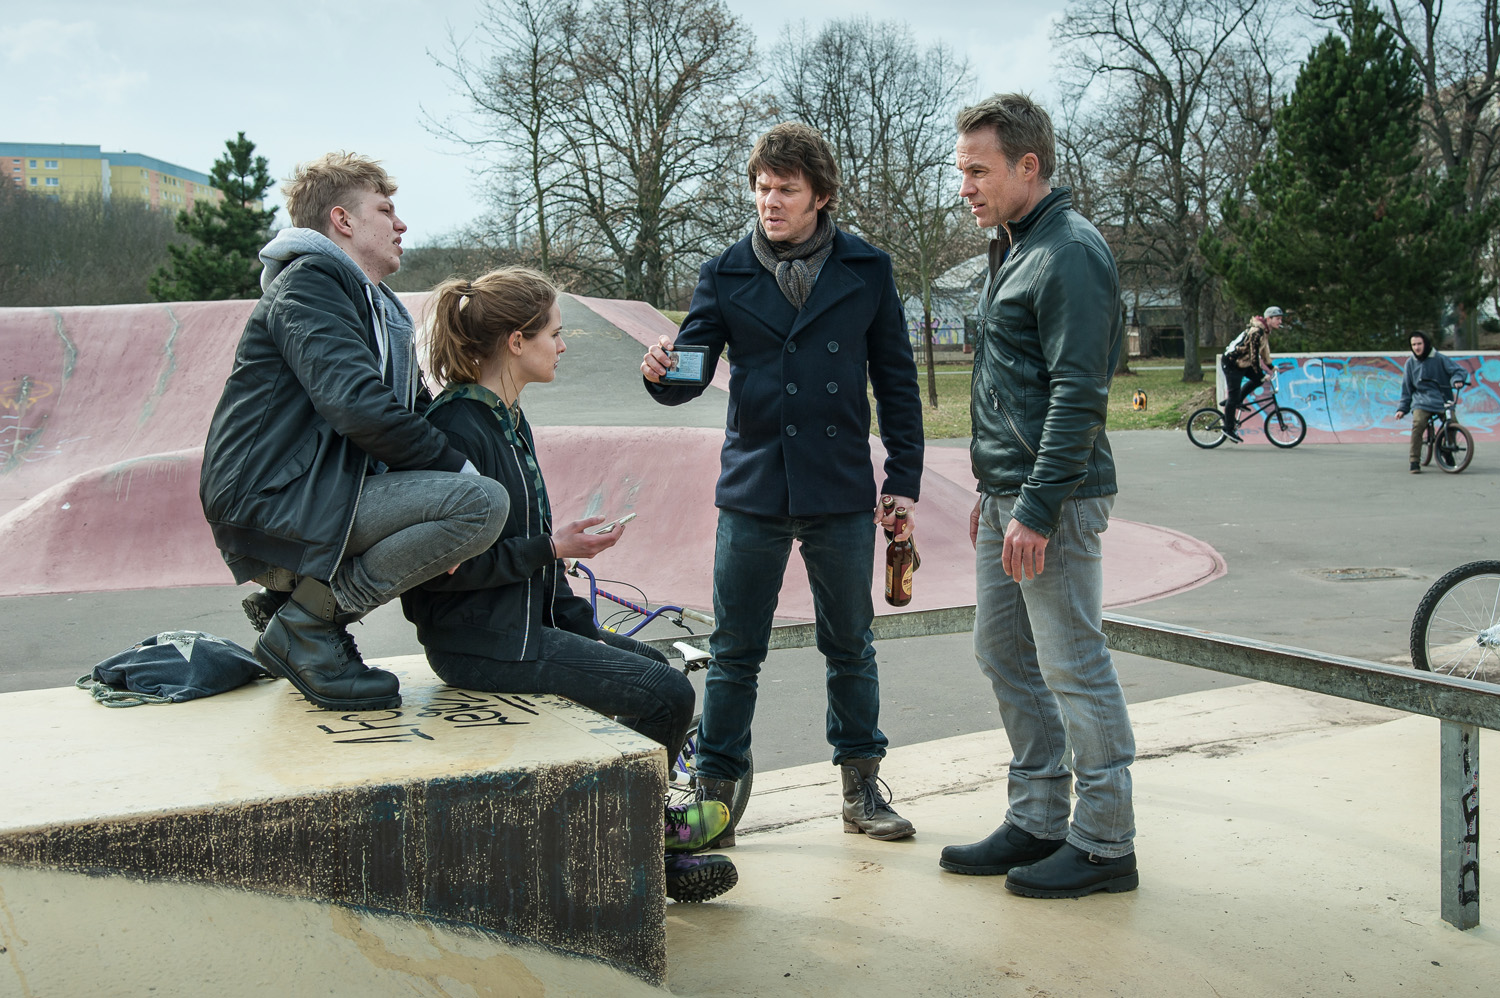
<point>1168,399</point>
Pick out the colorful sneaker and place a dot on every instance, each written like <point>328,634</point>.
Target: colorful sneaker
<point>699,878</point>
<point>691,827</point>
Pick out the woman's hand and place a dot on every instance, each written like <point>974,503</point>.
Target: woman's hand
<point>571,541</point>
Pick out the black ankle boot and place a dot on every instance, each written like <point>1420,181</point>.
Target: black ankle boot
<point>708,788</point>
<point>1006,847</point>
<point>306,644</point>
<point>1072,873</point>
<point>261,606</point>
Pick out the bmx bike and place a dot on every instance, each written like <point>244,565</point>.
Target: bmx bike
<point>629,620</point>
<point>1456,629</point>
<point>1283,427</point>
<point>1446,441</point>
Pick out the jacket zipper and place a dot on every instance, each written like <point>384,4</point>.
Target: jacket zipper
<point>521,471</point>
<point>1005,414</point>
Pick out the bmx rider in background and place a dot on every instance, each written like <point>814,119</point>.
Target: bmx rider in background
<point>1426,387</point>
<point>1246,362</point>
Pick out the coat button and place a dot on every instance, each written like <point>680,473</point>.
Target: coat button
<point>791,348</point>
<point>833,431</point>
<point>833,347</point>
<point>791,431</point>
<point>833,387</point>
<point>791,388</point>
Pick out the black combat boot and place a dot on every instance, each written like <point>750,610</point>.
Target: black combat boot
<point>306,644</point>
<point>722,791</point>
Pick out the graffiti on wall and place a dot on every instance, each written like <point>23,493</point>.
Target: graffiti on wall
<point>1358,393</point>
<point>21,427</point>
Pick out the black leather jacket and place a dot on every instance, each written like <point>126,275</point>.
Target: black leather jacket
<point>302,413</point>
<point>1049,335</point>
<point>497,602</point>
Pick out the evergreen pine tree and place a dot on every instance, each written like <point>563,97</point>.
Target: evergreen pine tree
<point>223,262</point>
<point>1347,228</point>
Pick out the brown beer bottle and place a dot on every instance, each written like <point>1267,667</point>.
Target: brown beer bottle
<point>900,558</point>
<point>887,506</point>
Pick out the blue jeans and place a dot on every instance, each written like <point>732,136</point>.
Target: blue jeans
<point>1041,645</point>
<point>621,677</point>
<point>750,560</point>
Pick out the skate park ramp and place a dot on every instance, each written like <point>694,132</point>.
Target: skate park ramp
<point>103,412</point>
<point>1351,398</point>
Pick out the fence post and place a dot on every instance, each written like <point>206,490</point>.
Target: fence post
<point>1460,824</point>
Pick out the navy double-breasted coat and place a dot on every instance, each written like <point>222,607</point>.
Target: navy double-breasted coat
<point>796,440</point>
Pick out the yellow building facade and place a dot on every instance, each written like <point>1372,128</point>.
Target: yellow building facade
<point>62,170</point>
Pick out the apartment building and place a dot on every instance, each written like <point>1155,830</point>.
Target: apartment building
<point>69,170</point>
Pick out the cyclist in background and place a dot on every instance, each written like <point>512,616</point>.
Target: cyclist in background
<point>505,620</point>
<point>1246,362</point>
<point>1427,387</point>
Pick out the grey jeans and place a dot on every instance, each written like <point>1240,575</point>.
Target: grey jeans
<point>411,525</point>
<point>1041,645</point>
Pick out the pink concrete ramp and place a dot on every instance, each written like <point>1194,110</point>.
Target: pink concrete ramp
<point>644,324</point>
<point>103,412</point>
<point>1141,562</point>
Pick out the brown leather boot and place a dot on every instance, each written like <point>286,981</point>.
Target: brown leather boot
<point>723,792</point>
<point>867,808</point>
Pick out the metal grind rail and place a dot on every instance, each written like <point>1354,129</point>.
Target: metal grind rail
<point>1462,705</point>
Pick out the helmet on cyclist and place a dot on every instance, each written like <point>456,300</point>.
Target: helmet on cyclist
<point>1272,311</point>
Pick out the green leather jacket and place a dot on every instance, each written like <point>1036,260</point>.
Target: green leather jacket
<point>1049,335</point>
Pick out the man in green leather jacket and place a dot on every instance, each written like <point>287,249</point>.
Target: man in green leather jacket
<point>1049,337</point>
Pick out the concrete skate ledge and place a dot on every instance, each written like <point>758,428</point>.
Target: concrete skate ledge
<point>520,814</point>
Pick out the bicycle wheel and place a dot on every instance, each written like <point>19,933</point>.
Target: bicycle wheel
<point>1455,449</point>
<point>1206,428</point>
<point>682,777</point>
<point>1456,629</point>
<point>1285,427</point>
<point>1428,438</point>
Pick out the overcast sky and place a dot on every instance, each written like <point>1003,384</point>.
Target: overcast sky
<point>173,79</point>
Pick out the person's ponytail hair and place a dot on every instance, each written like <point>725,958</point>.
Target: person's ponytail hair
<point>471,319</point>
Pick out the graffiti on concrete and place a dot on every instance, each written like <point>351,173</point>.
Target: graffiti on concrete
<point>1467,887</point>
<point>1350,393</point>
<point>20,428</point>
<point>456,710</point>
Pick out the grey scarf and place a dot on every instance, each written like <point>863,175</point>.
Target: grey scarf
<point>796,267</point>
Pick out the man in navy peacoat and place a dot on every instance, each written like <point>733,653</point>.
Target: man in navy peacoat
<point>808,315</point>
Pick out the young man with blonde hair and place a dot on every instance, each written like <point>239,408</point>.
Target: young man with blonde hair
<point>321,480</point>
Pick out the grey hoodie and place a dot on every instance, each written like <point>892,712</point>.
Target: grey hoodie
<point>393,327</point>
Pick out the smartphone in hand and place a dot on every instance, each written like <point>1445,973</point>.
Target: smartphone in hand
<point>606,528</point>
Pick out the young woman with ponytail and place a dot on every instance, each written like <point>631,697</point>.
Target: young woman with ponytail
<point>505,621</point>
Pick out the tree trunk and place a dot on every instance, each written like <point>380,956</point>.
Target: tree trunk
<point>927,342</point>
<point>1192,370</point>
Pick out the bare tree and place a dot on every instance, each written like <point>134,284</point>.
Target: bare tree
<point>1156,71</point>
<point>514,96</point>
<point>626,122</point>
<point>888,108</point>
<point>80,250</point>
